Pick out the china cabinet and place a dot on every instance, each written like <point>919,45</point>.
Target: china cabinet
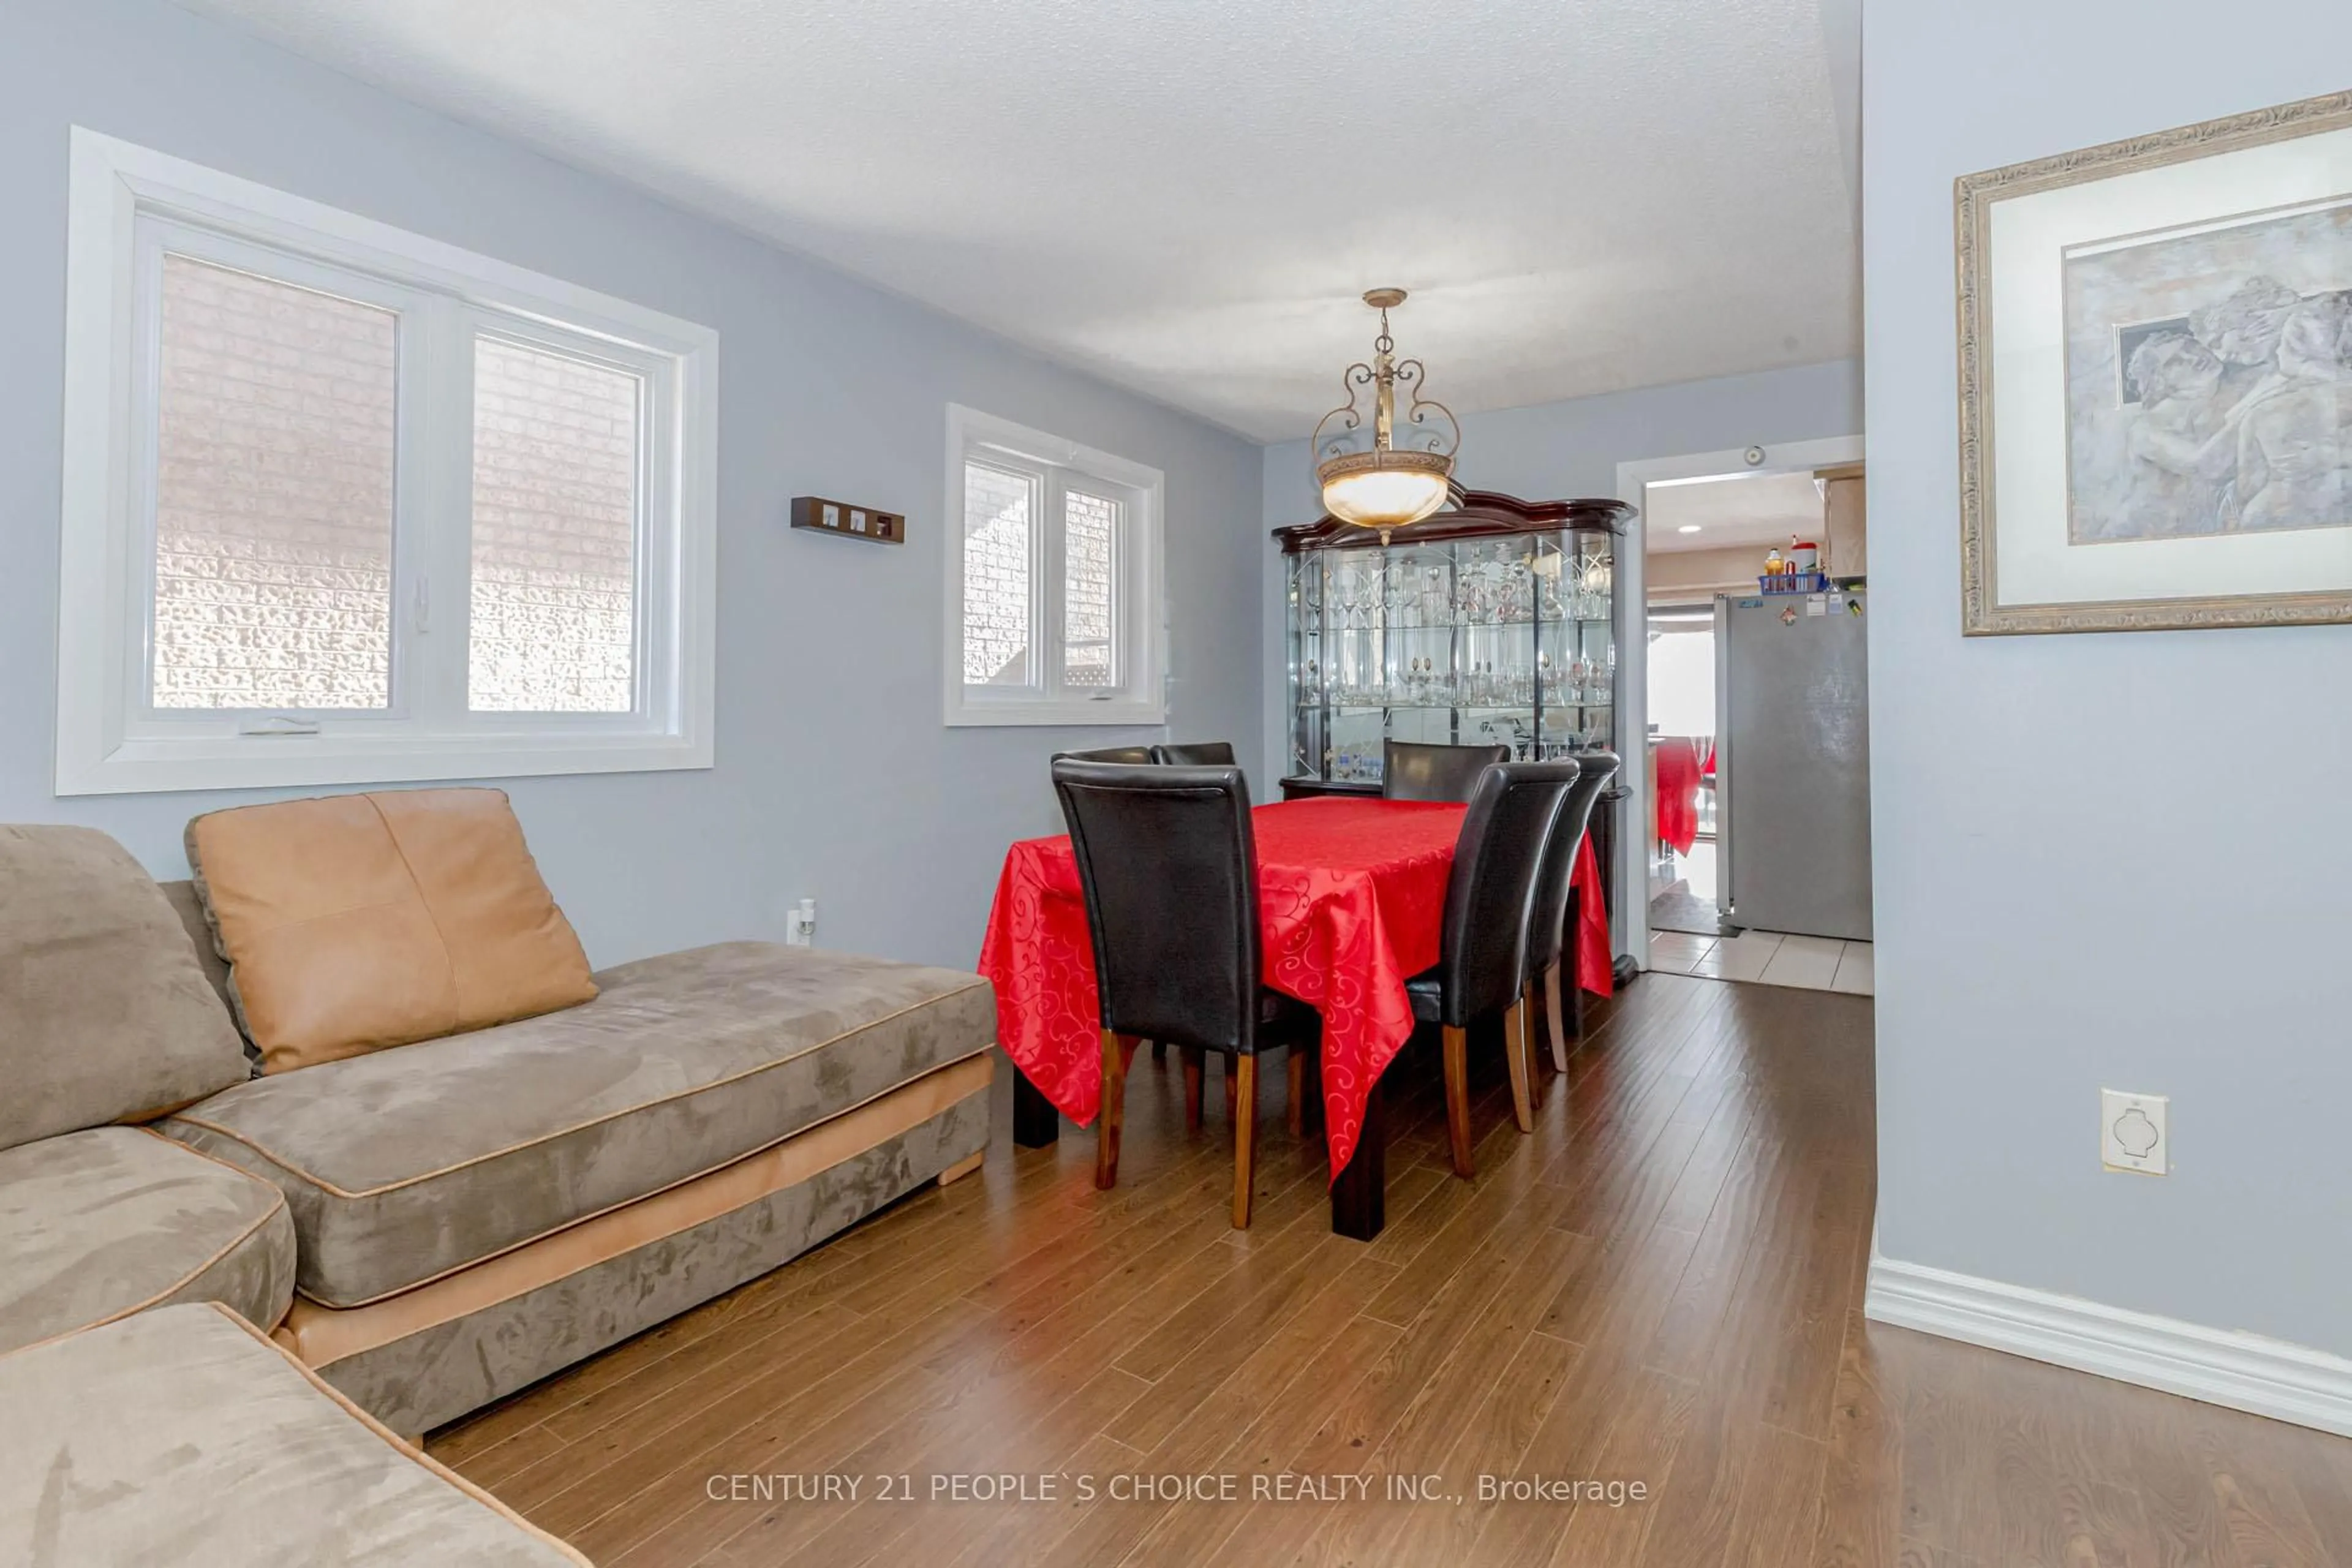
<point>1490,622</point>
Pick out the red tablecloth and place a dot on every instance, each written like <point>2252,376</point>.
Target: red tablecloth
<point>1351,896</point>
<point>1678,775</point>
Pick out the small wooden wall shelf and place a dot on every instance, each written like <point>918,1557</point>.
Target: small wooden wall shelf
<point>850,521</point>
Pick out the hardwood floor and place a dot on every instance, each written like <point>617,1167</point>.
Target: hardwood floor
<point>1661,1286</point>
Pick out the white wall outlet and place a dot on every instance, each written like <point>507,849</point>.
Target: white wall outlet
<point>2134,1131</point>
<point>799,925</point>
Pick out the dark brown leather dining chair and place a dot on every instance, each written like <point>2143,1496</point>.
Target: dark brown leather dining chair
<point>1133,755</point>
<point>1551,942</point>
<point>1196,754</point>
<point>1136,756</point>
<point>1483,952</point>
<point>1168,865</point>
<point>1411,771</point>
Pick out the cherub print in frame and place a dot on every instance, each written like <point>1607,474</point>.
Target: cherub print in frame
<point>2209,379</point>
<point>2156,380</point>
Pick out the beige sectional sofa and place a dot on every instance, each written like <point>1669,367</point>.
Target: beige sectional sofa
<point>106,1017</point>
<point>182,1436</point>
<point>108,1221</point>
<point>434,1225</point>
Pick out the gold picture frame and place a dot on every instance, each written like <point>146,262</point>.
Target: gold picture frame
<point>1976,199</point>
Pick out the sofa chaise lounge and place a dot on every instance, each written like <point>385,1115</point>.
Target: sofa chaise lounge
<point>434,1225</point>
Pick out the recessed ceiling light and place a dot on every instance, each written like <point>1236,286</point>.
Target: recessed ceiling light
<point>1687,527</point>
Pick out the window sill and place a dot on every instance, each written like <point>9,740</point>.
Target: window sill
<point>148,766</point>
<point>1015,712</point>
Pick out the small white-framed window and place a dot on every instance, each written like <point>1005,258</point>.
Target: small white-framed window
<point>345,504</point>
<point>1054,598</point>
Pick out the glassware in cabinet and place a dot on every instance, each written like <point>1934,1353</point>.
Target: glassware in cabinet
<point>1489,622</point>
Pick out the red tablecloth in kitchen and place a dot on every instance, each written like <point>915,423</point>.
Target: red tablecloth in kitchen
<point>1350,895</point>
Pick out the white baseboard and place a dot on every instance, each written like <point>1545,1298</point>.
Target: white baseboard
<point>2245,1371</point>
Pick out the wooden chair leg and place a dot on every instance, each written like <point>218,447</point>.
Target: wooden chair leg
<point>1515,1055</point>
<point>1532,1000</point>
<point>1112,1117</point>
<point>1457,1101</point>
<point>1245,1076</point>
<point>1556,1010</point>
<point>1295,1112</point>
<point>1192,1071</point>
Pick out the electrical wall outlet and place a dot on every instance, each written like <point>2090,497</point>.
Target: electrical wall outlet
<point>2134,1131</point>
<point>799,925</point>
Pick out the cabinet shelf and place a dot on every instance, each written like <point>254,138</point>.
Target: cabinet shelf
<point>1548,707</point>
<point>1308,627</point>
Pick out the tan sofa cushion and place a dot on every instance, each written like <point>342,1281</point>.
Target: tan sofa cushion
<point>404,1165</point>
<point>182,1436</point>
<point>353,922</point>
<point>190,907</point>
<point>104,1015</point>
<point>96,1225</point>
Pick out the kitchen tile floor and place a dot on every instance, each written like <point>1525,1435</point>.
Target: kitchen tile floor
<point>1769,958</point>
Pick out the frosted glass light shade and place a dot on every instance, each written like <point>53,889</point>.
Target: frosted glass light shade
<point>1385,489</point>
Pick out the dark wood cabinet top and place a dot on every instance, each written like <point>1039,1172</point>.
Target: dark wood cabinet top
<point>1475,515</point>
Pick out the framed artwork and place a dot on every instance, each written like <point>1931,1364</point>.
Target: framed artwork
<point>2156,380</point>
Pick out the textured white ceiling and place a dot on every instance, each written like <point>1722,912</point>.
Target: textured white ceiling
<point>1760,510</point>
<point>1188,197</point>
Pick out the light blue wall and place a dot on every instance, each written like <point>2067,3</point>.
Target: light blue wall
<point>836,778</point>
<point>2113,859</point>
<point>1556,451</point>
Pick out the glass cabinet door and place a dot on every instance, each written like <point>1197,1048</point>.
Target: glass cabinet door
<point>1506,639</point>
<point>1578,661</point>
<point>1305,611</point>
<point>1357,693</point>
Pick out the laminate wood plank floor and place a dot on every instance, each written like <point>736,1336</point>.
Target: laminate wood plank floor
<point>1661,1285</point>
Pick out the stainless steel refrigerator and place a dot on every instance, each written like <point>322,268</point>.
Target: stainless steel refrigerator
<point>1793,762</point>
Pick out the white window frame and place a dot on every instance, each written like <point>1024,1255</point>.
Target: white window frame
<point>111,740</point>
<point>1139,618</point>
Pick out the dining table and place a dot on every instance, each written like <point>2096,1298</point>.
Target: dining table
<point>1351,900</point>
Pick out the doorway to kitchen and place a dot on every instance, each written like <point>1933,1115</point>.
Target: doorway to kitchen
<point>1682,881</point>
<point>1749,835</point>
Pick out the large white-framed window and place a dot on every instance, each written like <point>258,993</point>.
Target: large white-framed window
<point>345,504</point>
<point>1055,611</point>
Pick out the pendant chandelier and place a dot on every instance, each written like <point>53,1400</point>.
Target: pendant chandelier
<point>1376,479</point>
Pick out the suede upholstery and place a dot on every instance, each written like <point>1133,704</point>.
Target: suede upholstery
<point>189,905</point>
<point>439,1374</point>
<point>97,1224</point>
<point>404,1165</point>
<point>359,921</point>
<point>104,1013</point>
<point>180,1436</point>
